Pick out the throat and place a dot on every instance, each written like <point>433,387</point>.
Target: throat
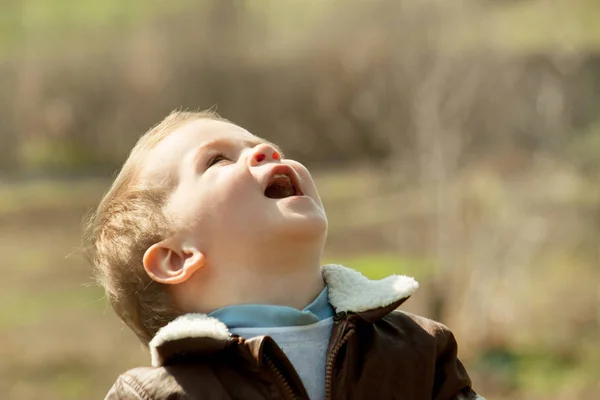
<point>294,289</point>
<point>265,271</point>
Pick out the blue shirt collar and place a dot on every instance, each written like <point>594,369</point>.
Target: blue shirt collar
<point>271,316</point>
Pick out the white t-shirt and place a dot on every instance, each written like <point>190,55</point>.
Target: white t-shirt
<point>306,348</point>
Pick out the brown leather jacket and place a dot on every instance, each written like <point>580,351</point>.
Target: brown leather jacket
<point>374,352</point>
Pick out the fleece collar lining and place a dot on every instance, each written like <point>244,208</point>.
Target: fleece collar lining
<point>349,291</point>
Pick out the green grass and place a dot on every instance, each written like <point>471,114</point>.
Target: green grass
<point>523,26</point>
<point>35,22</point>
<point>543,373</point>
<point>18,307</point>
<point>531,26</point>
<point>50,194</point>
<point>379,266</point>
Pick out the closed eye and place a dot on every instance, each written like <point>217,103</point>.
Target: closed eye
<point>216,159</point>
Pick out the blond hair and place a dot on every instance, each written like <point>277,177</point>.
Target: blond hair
<point>127,222</point>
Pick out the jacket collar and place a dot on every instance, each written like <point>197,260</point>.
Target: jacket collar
<point>349,291</point>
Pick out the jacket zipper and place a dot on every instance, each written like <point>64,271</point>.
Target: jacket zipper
<point>286,386</point>
<point>333,354</point>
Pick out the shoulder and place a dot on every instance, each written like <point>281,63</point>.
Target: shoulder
<point>151,383</point>
<point>451,378</point>
<point>421,329</point>
<point>132,384</point>
<point>428,326</point>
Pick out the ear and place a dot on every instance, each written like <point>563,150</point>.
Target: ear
<point>168,264</point>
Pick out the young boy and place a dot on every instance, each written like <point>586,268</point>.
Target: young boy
<point>209,246</point>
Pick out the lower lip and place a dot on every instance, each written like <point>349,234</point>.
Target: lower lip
<point>297,196</point>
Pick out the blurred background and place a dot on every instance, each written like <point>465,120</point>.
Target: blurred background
<point>455,141</point>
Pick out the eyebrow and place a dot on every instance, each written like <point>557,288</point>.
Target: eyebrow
<point>248,143</point>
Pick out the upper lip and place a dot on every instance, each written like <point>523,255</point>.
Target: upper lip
<point>283,169</point>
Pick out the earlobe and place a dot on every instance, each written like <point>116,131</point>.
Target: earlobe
<point>169,265</point>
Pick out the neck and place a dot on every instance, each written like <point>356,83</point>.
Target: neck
<point>287,274</point>
<point>294,289</point>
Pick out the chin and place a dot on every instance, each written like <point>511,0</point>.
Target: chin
<point>302,226</point>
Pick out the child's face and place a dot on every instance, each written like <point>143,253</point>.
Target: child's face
<point>234,188</point>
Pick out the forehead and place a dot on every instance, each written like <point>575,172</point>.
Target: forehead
<point>187,138</point>
<point>197,133</point>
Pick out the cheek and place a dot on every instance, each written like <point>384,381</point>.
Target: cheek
<point>230,193</point>
<point>231,185</point>
<point>212,195</point>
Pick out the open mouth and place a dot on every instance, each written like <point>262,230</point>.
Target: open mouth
<point>281,185</point>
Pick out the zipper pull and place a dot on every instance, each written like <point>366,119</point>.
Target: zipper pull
<point>339,316</point>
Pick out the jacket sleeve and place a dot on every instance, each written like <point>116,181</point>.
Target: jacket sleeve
<point>471,395</point>
<point>451,379</point>
<point>126,388</point>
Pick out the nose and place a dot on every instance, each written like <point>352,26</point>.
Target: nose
<point>263,153</point>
